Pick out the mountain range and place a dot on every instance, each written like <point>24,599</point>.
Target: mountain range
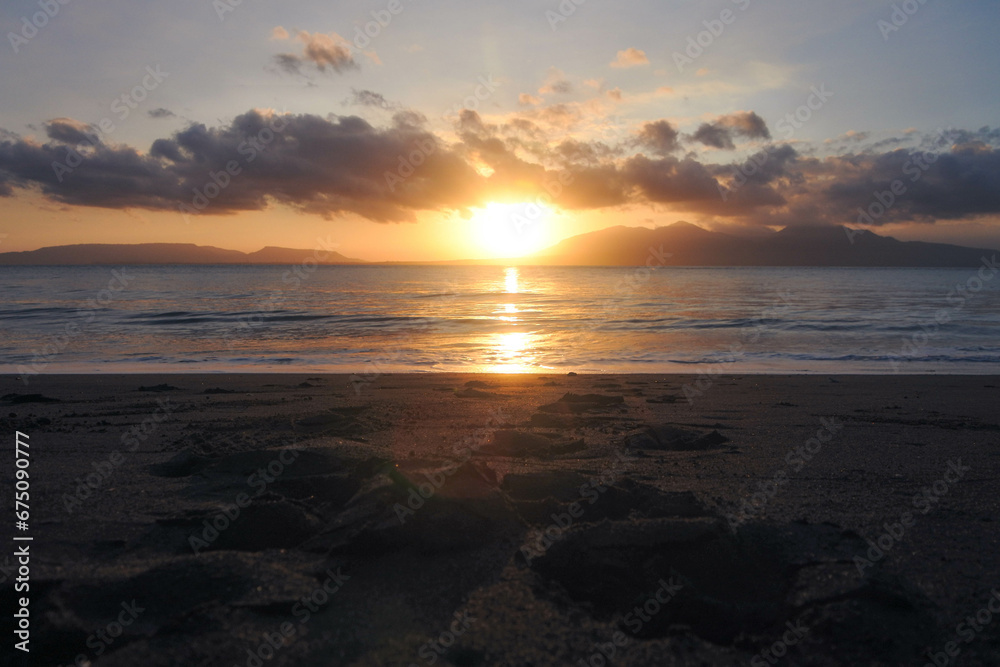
<point>165,253</point>
<point>679,244</point>
<point>690,245</point>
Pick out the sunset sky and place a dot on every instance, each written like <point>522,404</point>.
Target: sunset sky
<point>614,102</point>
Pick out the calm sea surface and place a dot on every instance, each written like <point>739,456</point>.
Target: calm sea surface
<point>494,319</point>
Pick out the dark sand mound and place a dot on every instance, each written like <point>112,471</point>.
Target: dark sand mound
<point>540,497</point>
<point>572,403</point>
<point>674,438</point>
<point>266,523</point>
<point>20,399</point>
<point>263,499</point>
<point>345,422</point>
<point>165,598</point>
<point>742,589</point>
<point>561,485</point>
<point>520,443</point>
<point>667,399</point>
<point>475,393</point>
<point>550,420</point>
<point>305,462</point>
<point>182,464</point>
<point>429,510</point>
<point>477,384</point>
<point>294,463</point>
<point>324,493</point>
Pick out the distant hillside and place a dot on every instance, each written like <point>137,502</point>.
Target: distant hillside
<point>687,245</point>
<point>690,245</point>
<point>165,253</point>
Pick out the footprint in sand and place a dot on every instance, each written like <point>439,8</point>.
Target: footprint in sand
<point>578,403</point>
<point>674,438</point>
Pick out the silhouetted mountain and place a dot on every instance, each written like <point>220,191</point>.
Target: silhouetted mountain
<point>166,253</point>
<point>689,245</point>
<point>679,244</point>
<point>275,255</point>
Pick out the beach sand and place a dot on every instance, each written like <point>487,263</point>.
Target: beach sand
<point>457,519</point>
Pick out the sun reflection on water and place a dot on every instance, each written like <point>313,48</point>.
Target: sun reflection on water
<point>512,351</point>
<point>510,278</point>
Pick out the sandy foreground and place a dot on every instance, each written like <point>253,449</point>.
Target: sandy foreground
<point>446,519</point>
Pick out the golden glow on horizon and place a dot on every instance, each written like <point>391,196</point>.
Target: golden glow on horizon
<point>512,229</point>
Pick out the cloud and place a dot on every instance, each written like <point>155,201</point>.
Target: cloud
<point>338,165</point>
<point>161,113</point>
<point>720,133</point>
<point>289,62</point>
<point>713,135</point>
<point>70,131</point>
<point>630,57</point>
<point>747,124</point>
<point>944,179</point>
<point>368,98</point>
<point>850,137</point>
<point>558,87</point>
<point>963,182</point>
<point>556,82</point>
<point>672,180</point>
<point>315,165</point>
<point>528,100</point>
<point>278,33</point>
<point>660,137</point>
<point>319,50</point>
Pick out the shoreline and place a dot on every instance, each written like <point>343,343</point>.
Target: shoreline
<point>679,370</point>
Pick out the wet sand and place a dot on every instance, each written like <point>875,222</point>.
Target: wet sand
<point>454,519</point>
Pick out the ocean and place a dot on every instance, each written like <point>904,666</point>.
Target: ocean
<point>381,319</point>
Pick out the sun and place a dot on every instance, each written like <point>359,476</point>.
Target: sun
<point>512,229</point>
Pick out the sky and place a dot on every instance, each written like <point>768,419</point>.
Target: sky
<point>405,129</point>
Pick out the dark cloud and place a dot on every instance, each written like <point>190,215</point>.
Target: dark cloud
<point>69,131</point>
<point>161,113</point>
<point>321,52</point>
<point>720,133</point>
<point>959,183</point>
<point>747,124</point>
<point>368,98</point>
<point>289,62</point>
<point>344,164</point>
<point>660,137</point>
<point>714,135</point>
<point>671,180</point>
<point>592,187</point>
<point>408,119</point>
<point>313,164</point>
